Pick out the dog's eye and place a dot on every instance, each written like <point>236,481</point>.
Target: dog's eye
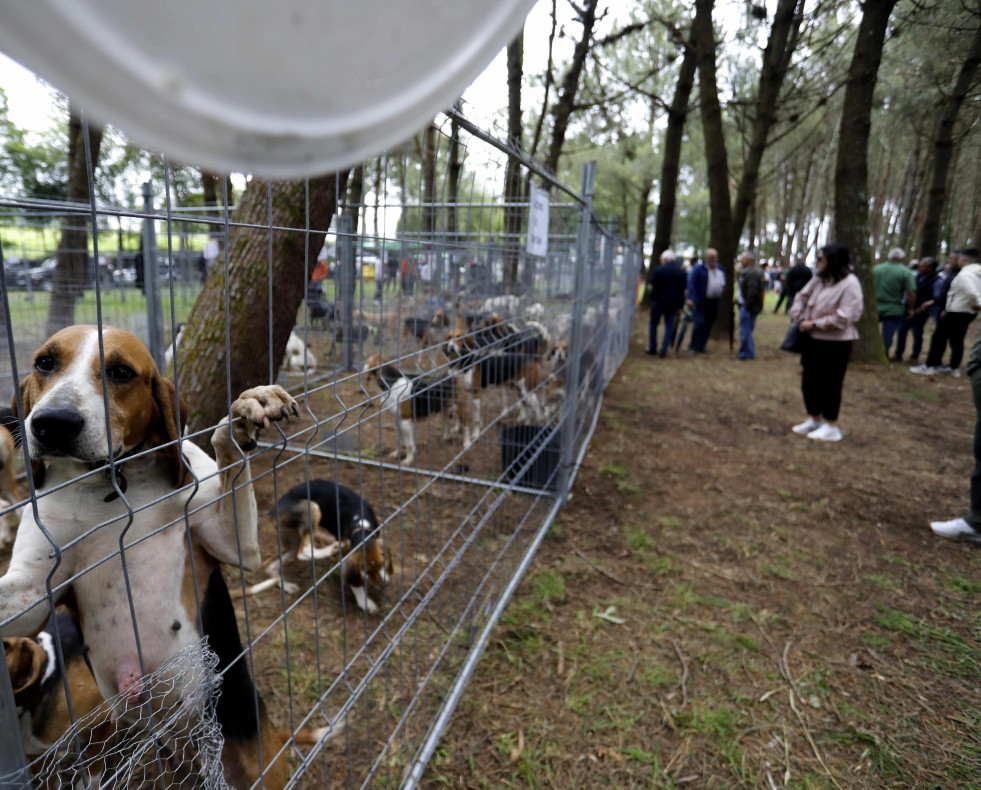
<point>121,373</point>
<point>44,364</point>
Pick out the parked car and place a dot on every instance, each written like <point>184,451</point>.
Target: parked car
<point>15,273</point>
<point>40,277</point>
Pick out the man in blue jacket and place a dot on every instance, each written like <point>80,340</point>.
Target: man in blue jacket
<point>705,286</point>
<point>667,292</point>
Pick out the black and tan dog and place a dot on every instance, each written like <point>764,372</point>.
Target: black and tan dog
<point>326,512</point>
<point>410,397</point>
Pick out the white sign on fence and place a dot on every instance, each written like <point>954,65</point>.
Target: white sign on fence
<point>538,222</point>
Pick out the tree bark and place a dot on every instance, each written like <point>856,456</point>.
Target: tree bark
<point>512,171</point>
<point>72,272</point>
<point>252,316</point>
<point>780,47</point>
<point>943,148</point>
<point>908,197</point>
<point>851,168</point>
<point>671,159</point>
<point>716,157</point>
<point>566,104</point>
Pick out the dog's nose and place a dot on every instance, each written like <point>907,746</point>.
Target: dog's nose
<point>57,428</point>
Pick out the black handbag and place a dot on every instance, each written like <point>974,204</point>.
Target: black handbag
<point>795,340</point>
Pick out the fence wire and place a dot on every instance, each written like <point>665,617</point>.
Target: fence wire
<point>446,377</point>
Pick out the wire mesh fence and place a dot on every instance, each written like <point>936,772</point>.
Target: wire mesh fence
<point>446,384</point>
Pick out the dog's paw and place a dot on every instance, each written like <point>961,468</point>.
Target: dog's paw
<point>290,588</point>
<point>370,606</point>
<point>258,408</point>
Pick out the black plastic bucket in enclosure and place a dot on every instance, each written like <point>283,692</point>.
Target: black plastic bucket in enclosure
<point>519,444</point>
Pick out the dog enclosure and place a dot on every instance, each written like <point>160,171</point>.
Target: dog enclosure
<point>425,233</point>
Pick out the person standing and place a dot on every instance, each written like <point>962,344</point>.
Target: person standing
<point>667,292</point>
<point>794,279</point>
<point>750,300</point>
<point>959,310</point>
<point>969,528</point>
<point>705,286</point>
<point>828,309</point>
<point>926,280</point>
<point>895,292</point>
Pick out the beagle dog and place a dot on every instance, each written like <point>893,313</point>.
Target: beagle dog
<point>9,493</point>
<point>122,496</point>
<point>38,677</point>
<point>411,397</point>
<point>346,523</point>
<point>417,329</point>
<point>494,355</point>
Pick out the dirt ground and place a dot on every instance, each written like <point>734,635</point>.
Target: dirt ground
<point>726,604</point>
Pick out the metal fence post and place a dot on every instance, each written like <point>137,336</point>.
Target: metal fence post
<point>151,286</point>
<point>348,277</point>
<point>583,249</point>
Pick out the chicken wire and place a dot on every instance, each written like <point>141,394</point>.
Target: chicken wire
<point>462,520</point>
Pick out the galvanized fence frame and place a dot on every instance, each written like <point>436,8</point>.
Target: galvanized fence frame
<point>465,530</point>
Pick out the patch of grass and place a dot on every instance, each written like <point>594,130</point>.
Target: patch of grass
<point>895,559</point>
<point>941,649</point>
<point>670,521</point>
<point>637,538</point>
<point>663,566</point>
<point>628,487</point>
<point>780,571</point>
<point>657,676</point>
<point>921,396</point>
<point>882,582</point>
<point>877,641</point>
<point>959,584</point>
<point>614,470</point>
<point>746,643</point>
<point>630,408</point>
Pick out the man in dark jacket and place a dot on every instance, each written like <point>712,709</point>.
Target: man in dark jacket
<point>794,280</point>
<point>667,292</point>
<point>750,300</point>
<point>705,286</point>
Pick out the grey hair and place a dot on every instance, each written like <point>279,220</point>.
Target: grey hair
<point>750,254</point>
<point>897,254</point>
<point>668,255</point>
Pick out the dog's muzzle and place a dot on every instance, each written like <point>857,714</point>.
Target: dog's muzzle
<point>56,430</point>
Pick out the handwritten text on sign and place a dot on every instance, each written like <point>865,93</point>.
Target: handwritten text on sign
<point>538,222</point>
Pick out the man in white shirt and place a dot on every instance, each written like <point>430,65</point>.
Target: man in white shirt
<point>705,286</point>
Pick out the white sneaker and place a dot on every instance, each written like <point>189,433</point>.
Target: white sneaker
<point>825,433</point>
<point>945,370</point>
<point>956,373</point>
<point>924,370</point>
<point>957,528</point>
<point>807,426</point>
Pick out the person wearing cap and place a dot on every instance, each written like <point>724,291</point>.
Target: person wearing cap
<point>895,293</point>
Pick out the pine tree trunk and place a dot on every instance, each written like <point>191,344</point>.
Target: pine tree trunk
<point>851,169</point>
<point>566,104</point>
<point>943,149</point>
<point>671,160</point>
<point>908,197</point>
<point>716,157</point>
<point>72,272</point>
<point>253,314</point>
<point>512,171</point>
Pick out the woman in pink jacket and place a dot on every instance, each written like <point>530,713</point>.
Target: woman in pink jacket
<point>828,309</point>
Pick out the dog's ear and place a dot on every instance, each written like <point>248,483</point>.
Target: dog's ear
<point>26,660</point>
<point>29,393</point>
<point>164,429</point>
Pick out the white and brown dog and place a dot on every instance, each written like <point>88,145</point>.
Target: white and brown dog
<point>9,493</point>
<point>410,397</point>
<point>117,533</point>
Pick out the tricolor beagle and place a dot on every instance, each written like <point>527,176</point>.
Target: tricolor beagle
<point>9,494</point>
<point>120,529</point>
<point>346,523</point>
<point>498,354</point>
<point>411,397</point>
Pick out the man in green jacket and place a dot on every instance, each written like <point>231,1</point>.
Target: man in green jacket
<point>750,300</point>
<point>895,293</point>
